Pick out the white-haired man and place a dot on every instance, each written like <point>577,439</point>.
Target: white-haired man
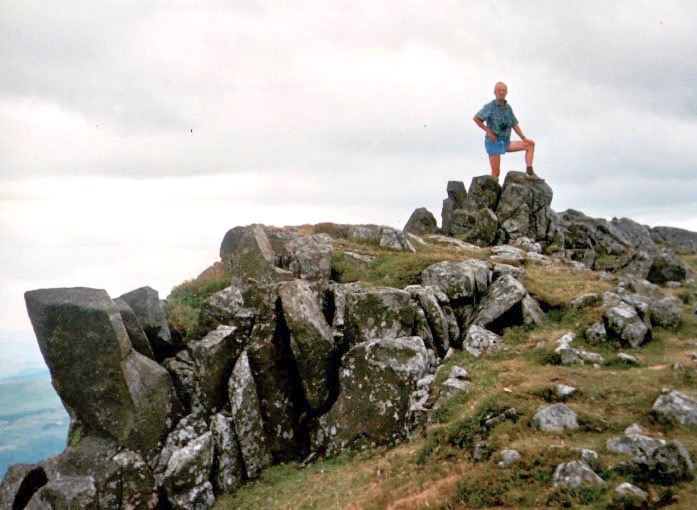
<point>497,119</point>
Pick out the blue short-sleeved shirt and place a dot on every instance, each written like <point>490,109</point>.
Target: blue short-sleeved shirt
<point>499,118</point>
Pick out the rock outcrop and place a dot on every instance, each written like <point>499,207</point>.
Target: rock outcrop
<point>287,363</point>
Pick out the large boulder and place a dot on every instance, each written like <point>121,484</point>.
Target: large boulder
<point>677,406</point>
<point>377,378</point>
<point>139,340</point>
<point>254,260</point>
<point>667,464</point>
<point>524,208</point>
<point>439,325</point>
<point>378,312</point>
<point>595,242</point>
<point>271,361</point>
<point>107,386</point>
<point>246,415</point>
<point>484,193</point>
<point>638,235</point>
<point>665,312</point>
<point>309,257</point>
<point>228,470</point>
<point>667,267</point>
<point>466,280</point>
<point>623,322</point>
<point>678,239</point>
<point>455,200</point>
<point>421,222</point>
<point>555,418</point>
<point>121,477</point>
<point>225,307</point>
<point>214,356</point>
<point>576,474</point>
<point>187,477</point>
<point>502,296</point>
<point>73,492</point>
<point>311,340</point>
<point>145,303</point>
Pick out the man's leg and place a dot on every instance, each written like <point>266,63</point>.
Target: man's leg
<point>528,147</point>
<point>495,162</point>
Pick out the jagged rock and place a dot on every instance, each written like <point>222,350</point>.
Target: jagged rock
<point>121,477</point>
<point>22,481</point>
<point>309,257</point>
<point>145,303</point>
<point>187,477</point>
<point>421,222</point>
<point>623,322</point>
<point>502,295</point>
<point>576,474</point>
<point>246,414</point>
<point>270,359</point>
<point>524,208</point>
<point>69,492</point>
<point>386,237</point>
<point>457,193</point>
<point>254,259</point>
<point>596,333</point>
<point>677,406</point>
<point>226,308</point>
<point>494,421</point>
<point>229,244</point>
<point>665,312</point>
<point>311,340</point>
<point>186,430</point>
<point>555,418</point>
<point>458,280</point>
<point>533,315</point>
<point>183,372</point>
<point>484,229</point>
<point>362,261</point>
<point>136,334</point>
<point>633,444</point>
<point>377,378</point>
<point>378,312</point>
<point>638,234</point>
<point>483,193</point>
<point>628,284</point>
<point>667,267</point>
<point>340,291</point>
<point>480,341</point>
<point>106,384</point>
<point>436,318</point>
<point>667,464</point>
<point>228,471</point>
<point>508,458</point>
<point>214,357</point>
<point>680,240</point>
<point>586,300</point>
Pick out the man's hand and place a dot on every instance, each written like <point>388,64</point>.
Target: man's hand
<point>527,140</point>
<point>490,135</point>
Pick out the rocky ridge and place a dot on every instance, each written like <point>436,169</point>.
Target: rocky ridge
<point>288,363</point>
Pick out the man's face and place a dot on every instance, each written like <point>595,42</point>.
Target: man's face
<point>500,91</point>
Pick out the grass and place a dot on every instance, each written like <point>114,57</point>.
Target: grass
<point>184,302</point>
<point>439,471</point>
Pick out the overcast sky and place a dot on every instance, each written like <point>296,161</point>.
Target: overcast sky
<point>133,135</point>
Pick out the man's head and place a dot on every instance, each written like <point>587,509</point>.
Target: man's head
<point>500,91</point>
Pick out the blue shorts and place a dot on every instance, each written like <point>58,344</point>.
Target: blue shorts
<point>496,148</point>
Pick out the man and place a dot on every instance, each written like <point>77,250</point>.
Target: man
<point>497,120</point>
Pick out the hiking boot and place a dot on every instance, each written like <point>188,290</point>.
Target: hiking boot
<point>530,174</point>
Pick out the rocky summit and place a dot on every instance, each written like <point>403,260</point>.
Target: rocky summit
<point>305,343</point>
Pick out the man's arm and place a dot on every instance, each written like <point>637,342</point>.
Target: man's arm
<point>489,133</point>
<point>519,132</point>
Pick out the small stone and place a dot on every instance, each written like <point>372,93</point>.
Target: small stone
<point>576,474</point>
<point>508,458</point>
<point>556,418</point>
<point>563,391</point>
<point>628,358</point>
<point>586,454</point>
